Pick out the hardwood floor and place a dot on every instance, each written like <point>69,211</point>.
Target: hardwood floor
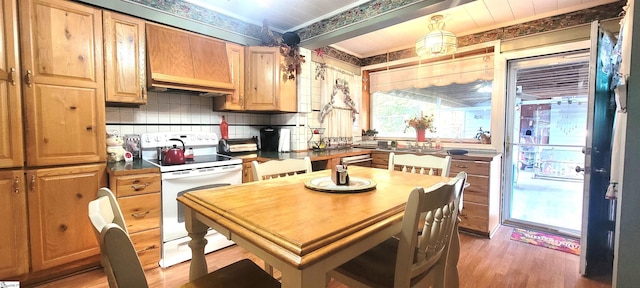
<point>499,262</point>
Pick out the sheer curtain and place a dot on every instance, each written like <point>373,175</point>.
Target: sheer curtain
<point>338,108</point>
<point>456,71</point>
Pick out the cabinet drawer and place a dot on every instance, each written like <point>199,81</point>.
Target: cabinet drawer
<point>141,212</point>
<point>147,244</point>
<point>137,184</point>
<point>471,167</point>
<point>478,190</point>
<point>474,216</point>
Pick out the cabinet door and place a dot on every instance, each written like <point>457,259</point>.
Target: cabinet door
<point>63,82</point>
<point>14,256</point>
<point>262,78</point>
<point>184,60</point>
<point>11,154</point>
<point>58,223</point>
<point>124,59</point>
<point>234,101</point>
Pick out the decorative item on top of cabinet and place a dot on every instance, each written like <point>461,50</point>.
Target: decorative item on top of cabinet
<point>14,254</point>
<point>60,231</point>
<point>183,60</point>
<point>10,98</point>
<point>139,199</point>
<point>63,87</point>
<point>124,59</point>
<point>235,100</point>
<point>267,85</point>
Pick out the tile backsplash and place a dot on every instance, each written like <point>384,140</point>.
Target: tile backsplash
<point>187,111</point>
<point>181,111</point>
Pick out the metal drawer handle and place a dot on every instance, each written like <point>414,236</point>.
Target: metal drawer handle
<point>462,166</point>
<point>147,249</point>
<point>140,215</point>
<point>140,187</point>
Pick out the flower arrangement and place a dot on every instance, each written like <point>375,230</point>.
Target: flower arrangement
<point>421,122</point>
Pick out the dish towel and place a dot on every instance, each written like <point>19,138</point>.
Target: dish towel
<point>622,55</point>
<point>285,140</point>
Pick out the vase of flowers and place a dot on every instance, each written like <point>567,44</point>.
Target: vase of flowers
<point>421,124</point>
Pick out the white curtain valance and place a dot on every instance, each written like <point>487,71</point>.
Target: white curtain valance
<point>458,71</point>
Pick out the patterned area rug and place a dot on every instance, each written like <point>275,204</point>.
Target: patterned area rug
<point>556,242</point>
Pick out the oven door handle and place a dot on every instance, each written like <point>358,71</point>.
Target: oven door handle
<point>201,172</point>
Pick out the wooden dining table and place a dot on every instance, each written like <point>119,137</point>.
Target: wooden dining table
<point>302,232</point>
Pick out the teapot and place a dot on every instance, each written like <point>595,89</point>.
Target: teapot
<point>174,155</point>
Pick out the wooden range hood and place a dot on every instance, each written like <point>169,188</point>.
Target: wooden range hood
<point>177,59</point>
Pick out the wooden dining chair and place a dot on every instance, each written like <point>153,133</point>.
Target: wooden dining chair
<point>280,168</point>
<point>422,164</point>
<point>412,259</point>
<point>123,268</point>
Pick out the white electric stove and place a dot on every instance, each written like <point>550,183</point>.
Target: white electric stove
<point>207,170</point>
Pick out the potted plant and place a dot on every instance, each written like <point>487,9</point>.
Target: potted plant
<point>483,136</point>
<point>421,124</point>
<point>369,134</point>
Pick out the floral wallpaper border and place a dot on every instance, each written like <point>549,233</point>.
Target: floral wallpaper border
<point>377,7</point>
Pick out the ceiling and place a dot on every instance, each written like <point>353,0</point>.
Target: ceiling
<point>470,18</point>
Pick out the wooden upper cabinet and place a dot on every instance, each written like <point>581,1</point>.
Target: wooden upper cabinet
<point>14,254</point>
<point>267,87</point>
<point>124,59</point>
<point>234,101</point>
<point>183,60</point>
<point>63,84</point>
<point>11,154</point>
<point>58,199</point>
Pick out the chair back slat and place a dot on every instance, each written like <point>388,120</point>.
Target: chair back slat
<point>423,164</point>
<point>420,252</point>
<point>280,168</point>
<point>122,256</point>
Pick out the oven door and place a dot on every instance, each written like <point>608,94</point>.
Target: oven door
<point>177,183</point>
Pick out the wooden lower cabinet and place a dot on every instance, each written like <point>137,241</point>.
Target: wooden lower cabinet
<point>380,159</point>
<point>481,200</point>
<point>247,173</point>
<point>60,230</point>
<point>14,253</point>
<point>140,201</point>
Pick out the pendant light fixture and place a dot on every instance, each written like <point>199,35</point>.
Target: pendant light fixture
<point>438,41</point>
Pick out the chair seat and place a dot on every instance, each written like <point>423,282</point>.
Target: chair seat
<point>376,267</point>
<point>242,274</point>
